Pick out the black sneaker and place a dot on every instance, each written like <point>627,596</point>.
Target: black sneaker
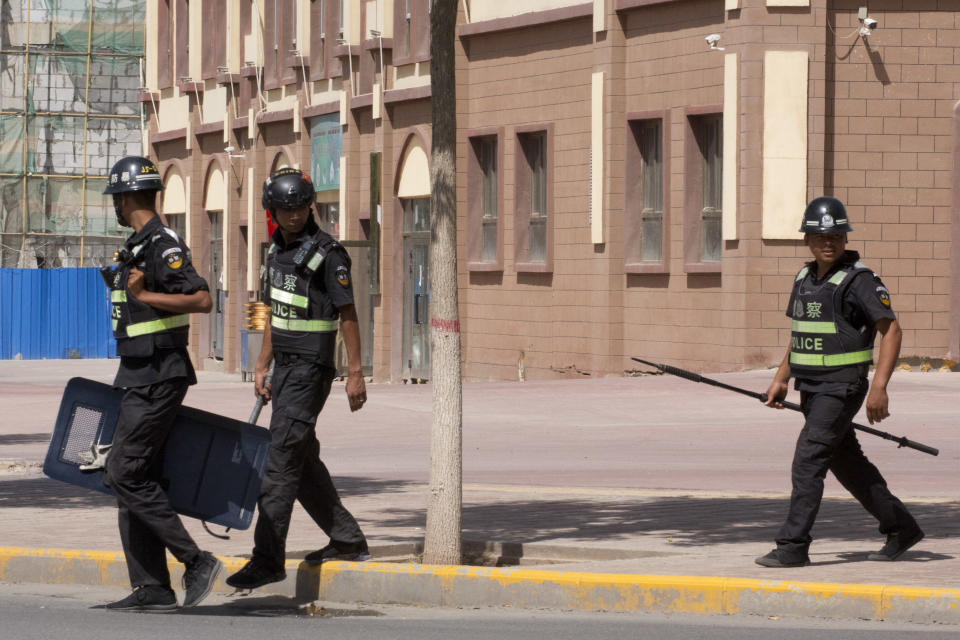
<point>774,561</point>
<point>149,598</point>
<point>346,551</point>
<point>255,573</point>
<point>200,577</point>
<point>896,545</point>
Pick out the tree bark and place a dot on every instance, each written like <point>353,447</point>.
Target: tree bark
<point>442,542</point>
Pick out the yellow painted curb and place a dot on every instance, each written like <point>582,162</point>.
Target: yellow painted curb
<point>455,585</point>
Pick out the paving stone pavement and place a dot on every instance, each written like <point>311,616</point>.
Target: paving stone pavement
<point>640,475</point>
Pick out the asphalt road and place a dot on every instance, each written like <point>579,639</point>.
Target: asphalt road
<point>45,612</point>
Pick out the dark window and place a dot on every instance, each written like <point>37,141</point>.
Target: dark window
<point>535,150</point>
<point>489,198</point>
<point>325,30</point>
<point>411,31</point>
<point>710,141</point>
<point>181,40</point>
<point>214,46</point>
<point>649,136</point>
<point>646,193</point>
<point>318,35</point>
<point>484,220</point>
<point>165,31</point>
<point>177,222</point>
<point>329,214</point>
<point>279,40</point>
<point>532,200</point>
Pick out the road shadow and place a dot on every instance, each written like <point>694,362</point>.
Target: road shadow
<point>46,493</point>
<point>23,438</point>
<point>685,521</point>
<point>302,605</point>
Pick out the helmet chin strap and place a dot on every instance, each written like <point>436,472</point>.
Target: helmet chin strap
<point>273,214</point>
<point>116,209</point>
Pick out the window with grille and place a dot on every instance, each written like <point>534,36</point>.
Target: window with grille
<point>651,179</point>
<point>710,142</point>
<point>535,153</point>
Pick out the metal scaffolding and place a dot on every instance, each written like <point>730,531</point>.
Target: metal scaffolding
<point>70,71</point>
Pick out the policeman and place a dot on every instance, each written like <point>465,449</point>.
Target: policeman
<point>152,292</point>
<point>309,291</point>
<point>837,307</point>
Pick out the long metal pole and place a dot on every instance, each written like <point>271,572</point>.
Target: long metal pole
<point>26,130</point>
<point>695,377</point>
<point>86,121</point>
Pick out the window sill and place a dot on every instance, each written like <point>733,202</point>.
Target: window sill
<point>702,267</point>
<point>484,266</point>
<point>534,267</point>
<point>645,267</point>
<point>209,127</point>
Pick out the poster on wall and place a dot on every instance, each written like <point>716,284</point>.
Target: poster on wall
<point>326,143</point>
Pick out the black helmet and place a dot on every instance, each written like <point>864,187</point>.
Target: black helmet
<point>287,188</point>
<point>825,215</point>
<point>133,173</point>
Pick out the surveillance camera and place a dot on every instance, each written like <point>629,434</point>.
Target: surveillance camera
<point>713,39</point>
<point>870,23</point>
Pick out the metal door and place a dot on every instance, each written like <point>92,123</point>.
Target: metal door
<point>216,283</point>
<point>416,289</point>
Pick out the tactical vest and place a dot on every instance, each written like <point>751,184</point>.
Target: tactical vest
<point>139,328</point>
<point>302,317</point>
<point>824,344</point>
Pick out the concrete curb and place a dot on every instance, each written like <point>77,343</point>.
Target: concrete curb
<point>454,586</point>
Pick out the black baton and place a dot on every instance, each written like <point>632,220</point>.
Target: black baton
<point>762,397</point>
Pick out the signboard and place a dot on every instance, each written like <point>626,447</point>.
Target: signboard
<point>326,144</point>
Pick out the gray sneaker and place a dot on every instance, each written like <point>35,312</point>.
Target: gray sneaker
<point>199,578</point>
<point>346,551</point>
<point>148,598</point>
<point>896,546</point>
<point>773,561</point>
<point>256,573</point>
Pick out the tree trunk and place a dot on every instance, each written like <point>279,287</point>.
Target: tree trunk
<point>442,543</point>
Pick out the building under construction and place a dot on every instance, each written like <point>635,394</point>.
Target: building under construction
<point>69,75</point>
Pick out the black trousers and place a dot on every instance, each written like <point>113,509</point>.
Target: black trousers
<point>148,524</point>
<point>300,387</point>
<point>829,442</point>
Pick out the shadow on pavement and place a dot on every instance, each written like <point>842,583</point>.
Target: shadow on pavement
<point>684,521</point>
<point>23,438</point>
<point>46,493</point>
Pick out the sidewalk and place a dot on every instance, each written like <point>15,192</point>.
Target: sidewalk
<point>649,493</point>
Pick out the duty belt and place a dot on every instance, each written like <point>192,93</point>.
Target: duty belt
<point>833,360</point>
<point>316,326</point>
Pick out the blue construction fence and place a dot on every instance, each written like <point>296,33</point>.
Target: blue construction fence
<point>54,314</point>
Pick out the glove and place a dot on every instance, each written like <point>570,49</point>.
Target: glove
<point>96,460</point>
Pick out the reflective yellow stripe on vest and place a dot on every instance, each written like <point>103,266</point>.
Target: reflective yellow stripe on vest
<point>809,326</point>
<point>836,360</point>
<point>315,326</point>
<point>156,326</point>
<point>118,295</point>
<point>288,298</point>
<point>837,278</point>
